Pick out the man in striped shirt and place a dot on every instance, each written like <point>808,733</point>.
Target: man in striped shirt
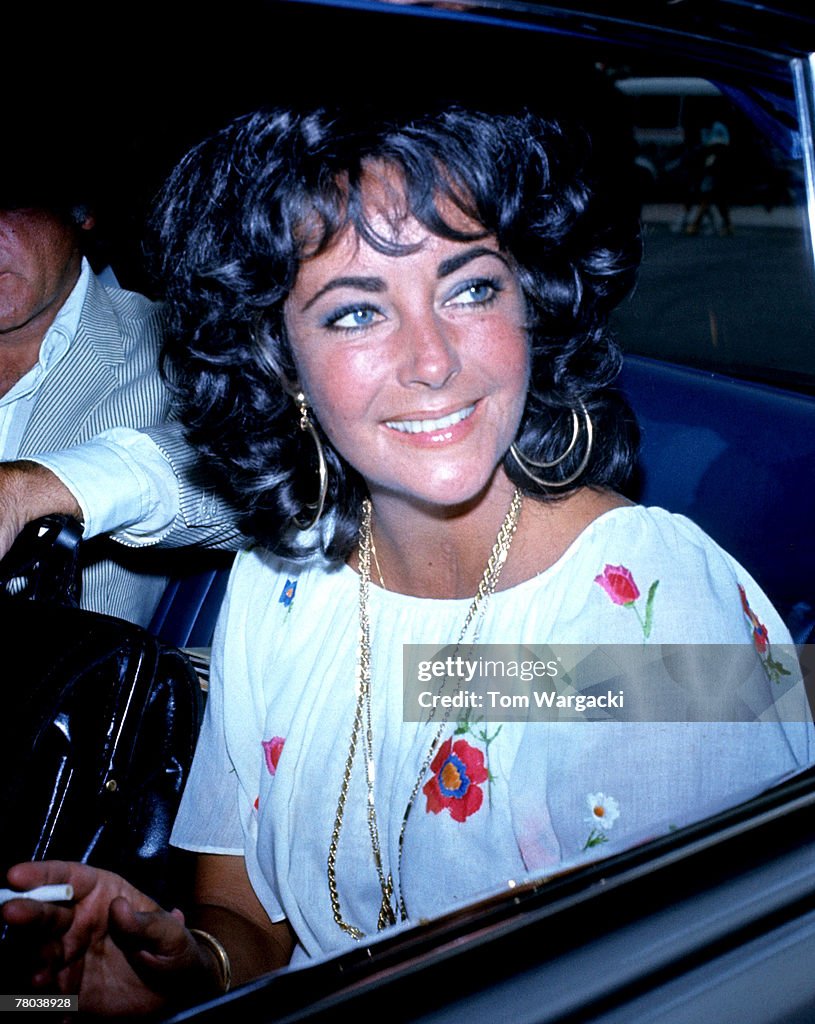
<point>85,417</point>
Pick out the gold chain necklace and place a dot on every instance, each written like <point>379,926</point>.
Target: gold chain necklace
<point>362,716</point>
<point>376,563</point>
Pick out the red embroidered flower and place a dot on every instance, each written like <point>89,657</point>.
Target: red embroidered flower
<point>761,637</point>
<point>619,584</point>
<point>457,768</point>
<point>272,749</point>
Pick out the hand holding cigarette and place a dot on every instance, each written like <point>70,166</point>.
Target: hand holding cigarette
<point>91,923</point>
<point>43,893</point>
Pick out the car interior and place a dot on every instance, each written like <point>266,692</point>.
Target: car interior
<point>718,920</point>
<point>720,377</point>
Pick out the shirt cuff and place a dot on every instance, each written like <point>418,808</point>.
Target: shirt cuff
<point>122,482</point>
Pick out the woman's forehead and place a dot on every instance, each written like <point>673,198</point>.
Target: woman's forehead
<point>382,203</point>
<point>385,196</point>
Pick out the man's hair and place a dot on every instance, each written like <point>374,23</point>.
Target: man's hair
<point>230,236</point>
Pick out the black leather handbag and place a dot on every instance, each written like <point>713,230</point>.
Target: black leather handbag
<point>98,723</point>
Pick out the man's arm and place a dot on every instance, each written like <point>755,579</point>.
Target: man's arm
<point>143,487</point>
<point>202,516</point>
<point>114,445</point>
<point>29,491</point>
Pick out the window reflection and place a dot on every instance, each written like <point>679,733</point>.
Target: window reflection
<point>726,282</point>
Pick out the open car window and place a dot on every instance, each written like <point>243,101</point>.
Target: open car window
<point>713,142</point>
<point>727,278</point>
<point>725,288</point>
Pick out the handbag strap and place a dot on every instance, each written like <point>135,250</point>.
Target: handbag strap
<point>43,562</point>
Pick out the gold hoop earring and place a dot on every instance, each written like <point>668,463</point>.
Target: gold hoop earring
<point>524,462</point>
<point>316,507</point>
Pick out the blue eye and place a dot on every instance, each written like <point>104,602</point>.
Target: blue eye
<point>480,292</point>
<point>351,318</point>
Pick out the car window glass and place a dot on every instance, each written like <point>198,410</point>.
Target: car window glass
<point>726,280</point>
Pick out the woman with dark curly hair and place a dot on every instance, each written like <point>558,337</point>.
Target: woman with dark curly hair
<point>391,340</point>
<point>229,273</point>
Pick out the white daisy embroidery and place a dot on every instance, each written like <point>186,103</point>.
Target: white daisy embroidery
<point>603,812</point>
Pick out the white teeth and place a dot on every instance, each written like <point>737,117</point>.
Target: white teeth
<point>430,426</point>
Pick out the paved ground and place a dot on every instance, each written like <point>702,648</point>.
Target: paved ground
<point>741,216</point>
<point>735,302</point>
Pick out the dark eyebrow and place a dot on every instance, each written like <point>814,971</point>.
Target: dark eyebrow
<point>454,263</point>
<point>365,284</point>
<point>376,284</point>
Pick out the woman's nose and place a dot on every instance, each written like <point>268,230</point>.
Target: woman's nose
<point>430,355</point>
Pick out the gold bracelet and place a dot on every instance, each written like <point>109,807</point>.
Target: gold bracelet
<point>221,955</point>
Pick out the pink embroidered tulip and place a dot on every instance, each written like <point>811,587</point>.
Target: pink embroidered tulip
<point>272,749</point>
<point>619,584</point>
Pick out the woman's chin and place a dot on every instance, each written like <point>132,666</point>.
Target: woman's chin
<point>449,493</point>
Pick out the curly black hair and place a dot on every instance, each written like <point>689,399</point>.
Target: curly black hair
<point>229,240</point>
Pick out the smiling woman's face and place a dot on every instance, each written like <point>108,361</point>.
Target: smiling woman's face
<point>415,365</point>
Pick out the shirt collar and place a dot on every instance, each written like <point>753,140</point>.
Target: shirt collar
<point>61,333</point>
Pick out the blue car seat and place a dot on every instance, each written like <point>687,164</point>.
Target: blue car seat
<point>739,459</point>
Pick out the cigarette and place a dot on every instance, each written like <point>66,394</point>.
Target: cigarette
<point>43,893</point>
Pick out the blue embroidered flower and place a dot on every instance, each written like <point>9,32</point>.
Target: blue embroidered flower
<point>453,772</point>
<point>287,593</point>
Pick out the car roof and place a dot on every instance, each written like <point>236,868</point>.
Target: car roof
<point>781,26</point>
